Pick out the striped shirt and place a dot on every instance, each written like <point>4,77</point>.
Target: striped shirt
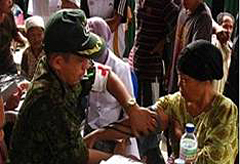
<point>154,19</point>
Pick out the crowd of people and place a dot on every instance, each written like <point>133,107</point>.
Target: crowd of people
<point>106,75</point>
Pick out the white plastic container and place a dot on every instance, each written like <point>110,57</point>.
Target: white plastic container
<point>188,144</point>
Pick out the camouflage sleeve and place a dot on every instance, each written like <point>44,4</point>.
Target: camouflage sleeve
<point>57,127</point>
<point>221,141</point>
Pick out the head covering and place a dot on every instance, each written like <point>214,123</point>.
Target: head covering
<point>201,60</point>
<point>100,27</point>
<point>34,21</point>
<point>66,32</point>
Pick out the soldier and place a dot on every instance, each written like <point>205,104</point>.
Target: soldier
<point>49,122</point>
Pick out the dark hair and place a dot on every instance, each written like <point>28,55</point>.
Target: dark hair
<point>222,14</point>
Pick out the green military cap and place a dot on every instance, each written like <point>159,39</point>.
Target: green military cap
<point>66,31</point>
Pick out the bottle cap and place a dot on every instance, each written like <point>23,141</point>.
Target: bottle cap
<point>190,127</point>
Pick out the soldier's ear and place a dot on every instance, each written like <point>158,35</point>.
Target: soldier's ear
<point>58,62</point>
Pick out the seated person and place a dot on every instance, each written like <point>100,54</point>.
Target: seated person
<point>35,32</point>
<point>214,115</point>
<point>104,109</point>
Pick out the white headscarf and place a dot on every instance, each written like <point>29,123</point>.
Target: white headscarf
<point>34,21</point>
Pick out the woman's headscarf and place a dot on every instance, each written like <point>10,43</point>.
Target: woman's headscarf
<point>98,26</point>
<point>201,60</point>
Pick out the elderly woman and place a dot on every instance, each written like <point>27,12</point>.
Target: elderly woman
<point>214,115</point>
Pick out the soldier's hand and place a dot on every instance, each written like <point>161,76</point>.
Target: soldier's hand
<point>142,120</point>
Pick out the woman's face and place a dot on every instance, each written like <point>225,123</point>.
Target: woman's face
<point>5,6</point>
<point>190,88</point>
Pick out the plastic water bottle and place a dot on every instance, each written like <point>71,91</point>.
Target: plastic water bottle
<point>188,144</point>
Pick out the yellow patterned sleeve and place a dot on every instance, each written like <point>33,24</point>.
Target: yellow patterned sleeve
<point>220,144</point>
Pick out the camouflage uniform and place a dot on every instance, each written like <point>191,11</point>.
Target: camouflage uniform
<point>48,127</point>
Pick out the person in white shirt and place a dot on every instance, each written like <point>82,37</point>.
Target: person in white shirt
<point>104,109</point>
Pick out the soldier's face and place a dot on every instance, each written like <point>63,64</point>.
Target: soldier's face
<point>73,69</point>
<point>5,6</point>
